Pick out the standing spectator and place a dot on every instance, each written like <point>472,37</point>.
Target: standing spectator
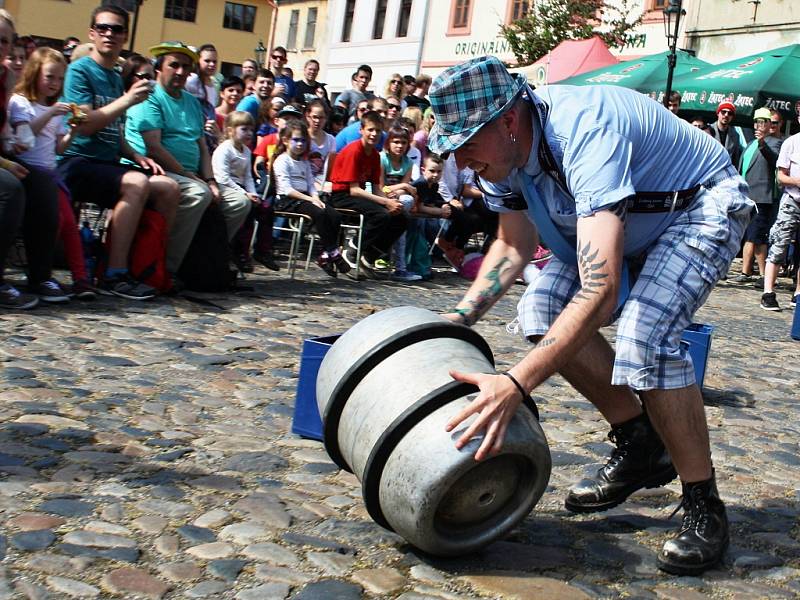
<point>337,120</point>
<point>419,97</point>
<point>15,60</point>
<point>202,84</point>
<point>394,87</point>
<point>70,43</point>
<point>230,94</point>
<point>322,151</point>
<point>308,88</point>
<point>249,85</point>
<point>776,124</point>
<point>409,87</point>
<point>169,127</point>
<point>90,166</point>
<point>284,85</point>
<point>296,192</point>
<point>758,169</point>
<point>786,224</point>
<point>392,108</point>
<point>359,82</point>
<point>729,136</point>
<point>264,86</point>
<point>249,67</point>
<point>674,103</point>
<point>356,166</point>
<point>29,44</point>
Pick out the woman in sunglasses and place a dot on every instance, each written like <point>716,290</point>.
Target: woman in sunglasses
<point>394,87</point>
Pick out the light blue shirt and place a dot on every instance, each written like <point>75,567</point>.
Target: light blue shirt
<point>610,143</point>
<point>250,104</point>
<point>351,133</point>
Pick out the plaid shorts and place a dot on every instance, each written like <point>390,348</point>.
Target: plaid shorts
<point>784,229</point>
<point>677,275</point>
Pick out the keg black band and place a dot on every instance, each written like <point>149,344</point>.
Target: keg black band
<point>398,429</point>
<point>356,373</point>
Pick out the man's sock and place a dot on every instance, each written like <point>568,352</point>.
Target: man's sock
<point>111,273</point>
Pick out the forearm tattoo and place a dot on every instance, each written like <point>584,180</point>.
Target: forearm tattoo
<point>591,280</point>
<point>487,295</point>
<point>545,342</point>
<point>620,209</point>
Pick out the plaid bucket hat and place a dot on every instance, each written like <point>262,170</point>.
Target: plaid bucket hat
<point>466,97</point>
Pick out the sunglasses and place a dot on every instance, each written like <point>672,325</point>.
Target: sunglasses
<point>147,76</point>
<point>726,112</point>
<point>390,105</point>
<point>108,28</point>
<point>278,57</point>
<point>775,123</point>
<point>396,81</point>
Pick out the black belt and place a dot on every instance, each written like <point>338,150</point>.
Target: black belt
<point>656,202</point>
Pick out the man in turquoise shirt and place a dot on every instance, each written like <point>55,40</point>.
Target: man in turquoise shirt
<point>168,127</point>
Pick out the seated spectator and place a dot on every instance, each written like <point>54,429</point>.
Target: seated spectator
<point>249,68</point>
<point>412,153</point>
<point>230,94</point>
<point>394,88</point>
<point>91,167</point>
<point>420,140</point>
<point>267,144</point>
<point>396,167</point>
<point>136,68</point>
<point>359,82</point>
<point>469,213</point>
<point>264,86</point>
<point>249,85</point>
<point>337,120</point>
<point>267,123</point>
<point>322,151</point>
<point>34,105</point>
<point>431,210</point>
<point>202,84</point>
<point>15,60</point>
<point>296,192</point>
<point>352,132</point>
<point>308,88</point>
<point>70,43</point>
<point>392,108</point>
<point>357,165</point>
<point>284,84</point>
<point>169,128</point>
<point>29,44</point>
<point>674,103</point>
<point>419,97</point>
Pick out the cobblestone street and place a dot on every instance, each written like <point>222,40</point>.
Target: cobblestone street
<point>145,451</point>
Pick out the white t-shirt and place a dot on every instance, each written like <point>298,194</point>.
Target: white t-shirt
<point>291,174</point>
<point>232,167</point>
<point>789,158</point>
<point>195,87</point>
<point>43,154</point>
<point>318,157</point>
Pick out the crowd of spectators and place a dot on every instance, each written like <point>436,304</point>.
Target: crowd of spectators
<point>167,135</point>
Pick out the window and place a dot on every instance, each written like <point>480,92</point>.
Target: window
<point>311,28</point>
<point>659,4</point>
<point>460,16</point>
<point>519,9</point>
<point>380,18</point>
<point>291,38</point>
<point>404,18</point>
<point>183,10</point>
<point>239,16</point>
<point>129,5</point>
<point>347,25</point>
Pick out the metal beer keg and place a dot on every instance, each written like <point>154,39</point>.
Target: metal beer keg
<point>385,395</point>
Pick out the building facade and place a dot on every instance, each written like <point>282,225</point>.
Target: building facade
<point>235,28</point>
<point>721,30</point>
<point>388,35</point>
<point>302,28</point>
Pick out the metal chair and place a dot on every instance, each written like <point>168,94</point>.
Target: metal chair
<point>296,224</point>
<point>353,221</point>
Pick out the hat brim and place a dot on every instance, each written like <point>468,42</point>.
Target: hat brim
<point>442,142</point>
<point>163,49</point>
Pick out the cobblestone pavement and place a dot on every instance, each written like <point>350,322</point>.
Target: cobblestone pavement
<point>145,452</point>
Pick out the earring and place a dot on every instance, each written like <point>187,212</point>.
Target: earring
<point>513,139</point>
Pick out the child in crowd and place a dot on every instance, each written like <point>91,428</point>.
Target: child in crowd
<point>16,59</point>
<point>34,105</point>
<point>296,192</point>
<point>337,120</point>
<point>357,165</point>
<point>431,208</point>
<point>323,145</point>
<point>396,168</point>
<point>231,164</point>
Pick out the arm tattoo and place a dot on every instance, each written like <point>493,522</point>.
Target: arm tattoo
<point>489,294</point>
<point>588,264</point>
<point>545,342</point>
<point>620,209</point>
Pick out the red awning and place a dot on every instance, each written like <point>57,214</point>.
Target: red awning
<point>570,57</point>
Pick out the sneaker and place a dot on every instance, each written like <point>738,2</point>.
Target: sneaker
<point>405,276</point>
<point>267,261</point>
<point>743,278</point>
<point>793,301</point>
<point>126,286</point>
<point>327,265</point>
<point>50,291</point>
<point>83,290</point>
<point>381,265</point>
<point>11,297</point>
<point>452,254</point>
<point>769,302</point>
<point>349,257</point>
<point>244,264</point>
<point>341,264</point>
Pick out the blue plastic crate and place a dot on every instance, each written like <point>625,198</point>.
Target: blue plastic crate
<point>306,421</point>
<point>698,337</point>
<point>796,324</point>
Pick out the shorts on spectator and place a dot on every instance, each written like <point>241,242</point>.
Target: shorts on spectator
<point>93,181</point>
<point>758,230</point>
<point>784,229</point>
<point>678,273</point>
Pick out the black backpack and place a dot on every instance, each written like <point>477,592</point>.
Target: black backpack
<point>207,265</point>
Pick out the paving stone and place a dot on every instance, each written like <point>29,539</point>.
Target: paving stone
<point>138,582</point>
<point>197,535</point>
<point>32,591</point>
<point>427,574</point>
<point>281,575</point>
<point>271,552</point>
<point>243,533</point>
<point>329,588</point>
<point>227,569</point>
<point>317,542</point>
<point>67,508</point>
<point>167,545</point>
<point>31,541</point>
<point>34,521</point>
<point>255,462</point>
<point>380,581</point>
<point>331,563</point>
<point>211,551</point>
<point>213,519</point>
<point>268,591</point>
<point>150,524</point>
<point>165,508</point>
<point>207,589</point>
<point>72,588</point>
<point>522,586</point>
<point>180,571</point>
<point>98,540</point>
<point>130,555</point>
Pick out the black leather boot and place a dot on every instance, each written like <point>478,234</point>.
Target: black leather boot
<point>703,536</point>
<point>639,461</point>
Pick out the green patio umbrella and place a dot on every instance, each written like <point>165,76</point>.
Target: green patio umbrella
<point>770,79</point>
<point>647,74</point>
